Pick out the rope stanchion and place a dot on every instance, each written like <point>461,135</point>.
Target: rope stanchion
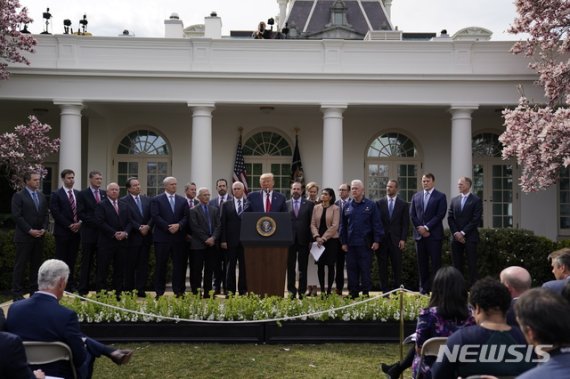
<point>401,322</point>
<point>279,319</point>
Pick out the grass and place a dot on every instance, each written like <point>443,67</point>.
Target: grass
<point>169,361</point>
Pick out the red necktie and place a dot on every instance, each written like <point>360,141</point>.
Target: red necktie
<point>116,206</point>
<point>267,204</point>
<point>97,198</point>
<point>73,206</point>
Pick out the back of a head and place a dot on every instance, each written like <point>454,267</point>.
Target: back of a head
<point>517,278</point>
<point>490,294</point>
<point>546,313</point>
<point>449,294</point>
<point>50,272</point>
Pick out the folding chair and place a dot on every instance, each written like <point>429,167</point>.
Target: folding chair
<point>41,353</point>
<point>430,348</point>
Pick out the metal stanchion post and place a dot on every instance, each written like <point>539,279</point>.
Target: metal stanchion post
<point>401,291</point>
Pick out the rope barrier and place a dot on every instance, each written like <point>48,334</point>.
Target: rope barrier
<point>306,315</point>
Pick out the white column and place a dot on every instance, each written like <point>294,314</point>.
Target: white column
<point>201,153</point>
<point>282,13</point>
<point>70,138</point>
<point>333,173</point>
<point>461,154</point>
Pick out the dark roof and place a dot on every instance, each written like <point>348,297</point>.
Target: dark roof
<point>321,17</point>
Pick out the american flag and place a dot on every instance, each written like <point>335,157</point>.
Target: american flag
<point>240,173</point>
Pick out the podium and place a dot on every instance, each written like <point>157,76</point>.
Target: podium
<point>266,238</point>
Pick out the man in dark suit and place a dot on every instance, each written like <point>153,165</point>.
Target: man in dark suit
<point>30,213</point>
<point>204,223</point>
<point>342,202</point>
<point>87,201</point>
<point>140,237</point>
<point>266,200</point>
<point>395,218</point>
<point>169,213</point>
<point>230,225</point>
<point>220,270</point>
<point>464,217</point>
<point>301,211</point>
<point>42,318</point>
<point>63,208</point>
<point>112,215</point>
<point>427,211</point>
<point>13,361</point>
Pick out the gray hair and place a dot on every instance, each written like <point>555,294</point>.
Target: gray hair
<point>168,179</point>
<point>51,272</point>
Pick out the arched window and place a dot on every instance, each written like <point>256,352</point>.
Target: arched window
<point>146,155</point>
<point>268,152</point>
<point>493,181</point>
<point>392,156</point>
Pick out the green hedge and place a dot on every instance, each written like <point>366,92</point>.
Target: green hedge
<point>498,249</point>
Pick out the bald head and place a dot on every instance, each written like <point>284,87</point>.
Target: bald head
<point>516,279</point>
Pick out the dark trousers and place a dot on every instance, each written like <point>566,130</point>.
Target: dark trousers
<point>116,257</point>
<point>29,252</point>
<point>427,249</point>
<point>339,275</point>
<point>458,252</point>
<point>95,349</point>
<point>235,258</point>
<point>298,256</point>
<point>203,260</point>
<point>163,252</point>
<point>88,251</point>
<point>66,249</point>
<point>389,251</point>
<point>220,270</point>
<point>358,267</point>
<point>136,270</point>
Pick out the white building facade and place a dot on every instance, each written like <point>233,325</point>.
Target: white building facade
<point>366,109</point>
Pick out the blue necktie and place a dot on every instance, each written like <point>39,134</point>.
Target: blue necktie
<point>36,201</point>
<point>172,202</point>
<point>139,204</point>
<point>391,207</point>
<point>240,208</point>
<point>207,214</point>
<point>463,200</point>
<point>426,199</point>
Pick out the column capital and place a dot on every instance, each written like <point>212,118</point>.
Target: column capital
<point>68,102</point>
<point>202,106</point>
<point>463,108</point>
<point>341,107</point>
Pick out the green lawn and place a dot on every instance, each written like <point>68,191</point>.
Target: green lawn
<point>190,360</point>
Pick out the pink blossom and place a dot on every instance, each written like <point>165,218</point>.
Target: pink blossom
<point>12,42</point>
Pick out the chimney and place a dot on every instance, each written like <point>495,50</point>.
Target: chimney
<point>173,27</point>
<point>213,26</point>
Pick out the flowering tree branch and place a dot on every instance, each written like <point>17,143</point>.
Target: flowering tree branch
<point>26,150</point>
<point>538,136</point>
<point>12,41</point>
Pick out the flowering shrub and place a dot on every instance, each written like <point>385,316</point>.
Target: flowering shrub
<point>242,308</point>
<point>26,149</point>
<point>12,42</point>
<point>539,137</point>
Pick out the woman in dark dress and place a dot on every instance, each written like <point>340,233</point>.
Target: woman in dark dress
<point>324,227</point>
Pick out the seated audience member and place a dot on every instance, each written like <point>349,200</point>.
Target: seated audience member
<point>560,261</point>
<point>517,280</point>
<point>42,318</point>
<point>543,317</point>
<point>447,312</point>
<point>491,337</point>
<point>13,361</point>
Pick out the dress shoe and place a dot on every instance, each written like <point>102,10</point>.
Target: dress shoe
<point>338,291</point>
<point>121,357</point>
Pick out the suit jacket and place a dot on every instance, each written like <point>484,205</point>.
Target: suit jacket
<point>556,285</point>
<point>466,220</point>
<point>256,202</point>
<point>433,215</point>
<point>216,201</point>
<point>13,361</point>
<point>230,223</point>
<point>395,227</point>
<point>26,215</point>
<point>301,223</point>
<point>62,213</point>
<point>137,219</point>
<point>86,209</point>
<point>110,222</point>
<point>199,226</point>
<point>332,220</point>
<point>41,318</point>
<point>162,216</point>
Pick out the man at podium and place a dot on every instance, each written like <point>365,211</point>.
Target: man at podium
<point>267,200</point>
